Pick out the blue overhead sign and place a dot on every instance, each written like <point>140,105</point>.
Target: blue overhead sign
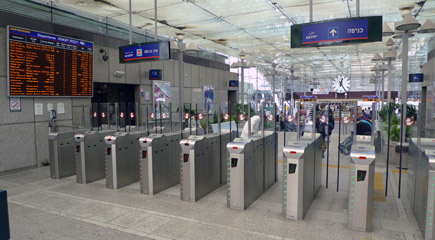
<point>26,35</point>
<point>144,52</point>
<point>335,31</point>
<point>339,31</point>
<point>416,77</point>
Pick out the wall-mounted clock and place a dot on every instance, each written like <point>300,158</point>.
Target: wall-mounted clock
<point>341,84</point>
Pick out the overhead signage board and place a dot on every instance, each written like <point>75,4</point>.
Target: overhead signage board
<point>308,98</point>
<point>144,52</point>
<point>43,64</point>
<point>417,77</point>
<point>155,74</point>
<point>338,31</point>
<point>370,98</point>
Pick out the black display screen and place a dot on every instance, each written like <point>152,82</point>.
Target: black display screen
<point>361,175</point>
<point>291,168</point>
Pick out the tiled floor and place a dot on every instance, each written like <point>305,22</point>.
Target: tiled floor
<point>43,208</point>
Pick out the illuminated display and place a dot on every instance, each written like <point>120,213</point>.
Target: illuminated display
<point>308,98</point>
<point>155,74</point>
<point>42,64</point>
<point>370,98</point>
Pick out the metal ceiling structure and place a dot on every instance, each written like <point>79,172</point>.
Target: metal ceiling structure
<point>261,28</point>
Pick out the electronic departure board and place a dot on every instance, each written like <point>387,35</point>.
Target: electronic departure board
<point>42,64</point>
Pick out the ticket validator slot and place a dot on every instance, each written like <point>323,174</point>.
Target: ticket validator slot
<point>90,155</point>
<point>160,162</point>
<point>361,187</point>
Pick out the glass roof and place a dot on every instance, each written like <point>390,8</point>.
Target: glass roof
<point>261,28</point>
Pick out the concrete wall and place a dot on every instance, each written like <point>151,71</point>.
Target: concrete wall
<point>24,142</point>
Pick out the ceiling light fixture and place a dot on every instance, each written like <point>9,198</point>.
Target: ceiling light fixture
<point>427,27</point>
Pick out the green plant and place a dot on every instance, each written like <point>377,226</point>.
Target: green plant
<point>411,111</point>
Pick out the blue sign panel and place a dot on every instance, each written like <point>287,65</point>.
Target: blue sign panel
<point>155,74</point>
<point>26,35</point>
<point>338,31</point>
<point>335,31</point>
<point>417,77</point>
<point>144,51</point>
<point>308,98</point>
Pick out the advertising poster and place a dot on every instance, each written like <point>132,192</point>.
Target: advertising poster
<point>162,99</point>
<point>209,98</point>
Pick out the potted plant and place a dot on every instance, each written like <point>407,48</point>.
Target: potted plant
<point>388,115</point>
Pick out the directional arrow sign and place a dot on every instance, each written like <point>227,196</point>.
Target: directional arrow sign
<point>337,31</point>
<point>333,32</point>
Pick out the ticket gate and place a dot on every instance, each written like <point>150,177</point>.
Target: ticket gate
<point>160,162</point>
<point>90,155</point>
<point>421,182</point>
<point>361,186</point>
<point>122,158</point>
<point>302,174</point>
<point>251,170</point>
<point>203,165</point>
<point>61,153</point>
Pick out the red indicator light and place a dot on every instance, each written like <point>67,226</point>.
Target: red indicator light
<point>362,158</point>
<point>234,147</point>
<point>292,152</point>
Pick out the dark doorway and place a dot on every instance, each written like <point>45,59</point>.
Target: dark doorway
<point>103,104</point>
<point>113,93</point>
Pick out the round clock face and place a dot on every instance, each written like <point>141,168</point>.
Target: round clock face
<point>341,84</point>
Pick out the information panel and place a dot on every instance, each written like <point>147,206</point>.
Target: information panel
<point>42,64</point>
<point>370,98</point>
<point>416,77</point>
<point>144,52</point>
<point>339,31</point>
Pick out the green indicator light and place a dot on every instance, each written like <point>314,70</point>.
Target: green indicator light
<point>229,189</point>
<point>285,202</point>
<point>285,180</point>
<point>353,176</point>
<point>352,194</point>
<point>431,211</point>
<point>432,184</point>
<point>353,170</point>
<point>433,178</point>
<point>285,208</point>
<point>351,212</point>
<point>430,224</point>
<point>430,217</point>
<point>353,182</point>
<point>431,198</point>
<point>351,206</point>
<point>352,200</point>
<point>285,196</point>
<point>285,191</point>
<point>285,185</point>
<point>353,188</point>
<point>431,204</point>
<point>350,218</point>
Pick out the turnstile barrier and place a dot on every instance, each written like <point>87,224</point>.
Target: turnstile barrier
<point>160,162</point>
<point>61,153</point>
<point>122,159</point>
<point>361,187</point>
<point>421,182</point>
<point>90,155</point>
<point>251,171</point>
<point>203,165</point>
<point>301,176</point>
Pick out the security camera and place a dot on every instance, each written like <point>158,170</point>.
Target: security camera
<point>105,56</point>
